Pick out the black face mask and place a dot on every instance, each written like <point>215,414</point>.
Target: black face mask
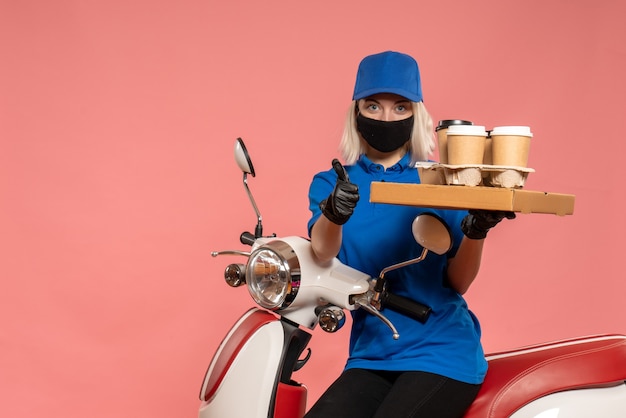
<point>384,136</point>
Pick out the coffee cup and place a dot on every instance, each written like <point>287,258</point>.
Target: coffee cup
<point>510,145</point>
<point>466,144</point>
<point>487,156</point>
<point>442,140</point>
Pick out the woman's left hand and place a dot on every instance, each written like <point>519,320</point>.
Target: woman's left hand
<point>478,222</point>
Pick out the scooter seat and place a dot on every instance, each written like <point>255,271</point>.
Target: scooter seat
<point>520,376</point>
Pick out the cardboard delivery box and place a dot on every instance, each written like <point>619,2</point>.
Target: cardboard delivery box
<point>477,197</point>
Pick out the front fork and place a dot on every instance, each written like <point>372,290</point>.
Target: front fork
<point>289,397</point>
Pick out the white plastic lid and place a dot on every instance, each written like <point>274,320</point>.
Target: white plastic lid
<point>512,130</point>
<point>475,130</point>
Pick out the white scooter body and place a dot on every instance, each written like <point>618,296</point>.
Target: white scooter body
<point>250,374</point>
<point>577,378</point>
<point>581,403</point>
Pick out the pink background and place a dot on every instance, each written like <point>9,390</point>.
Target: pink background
<point>117,123</point>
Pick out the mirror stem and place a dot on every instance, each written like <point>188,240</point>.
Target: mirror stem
<point>404,263</point>
<point>379,287</point>
<point>258,231</point>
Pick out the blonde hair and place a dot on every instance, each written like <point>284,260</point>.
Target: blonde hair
<point>420,146</point>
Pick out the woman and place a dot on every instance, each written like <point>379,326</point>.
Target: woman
<point>436,368</point>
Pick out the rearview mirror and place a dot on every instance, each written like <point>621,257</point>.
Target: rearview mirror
<point>243,158</point>
<point>432,233</point>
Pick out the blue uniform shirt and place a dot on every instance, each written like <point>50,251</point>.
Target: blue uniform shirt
<point>379,235</point>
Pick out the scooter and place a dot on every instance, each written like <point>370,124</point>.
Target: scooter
<point>251,373</point>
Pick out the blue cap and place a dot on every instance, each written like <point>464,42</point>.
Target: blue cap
<point>388,72</point>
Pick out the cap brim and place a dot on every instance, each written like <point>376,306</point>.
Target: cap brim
<point>400,92</point>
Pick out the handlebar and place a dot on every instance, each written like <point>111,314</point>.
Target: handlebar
<point>247,238</point>
<point>406,306</point>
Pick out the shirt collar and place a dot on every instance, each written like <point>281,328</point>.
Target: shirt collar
<point>371,167</point>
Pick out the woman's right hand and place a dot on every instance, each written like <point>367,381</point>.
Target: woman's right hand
<point>340,204</point>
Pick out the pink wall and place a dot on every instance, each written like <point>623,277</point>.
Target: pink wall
<point>117,121</point>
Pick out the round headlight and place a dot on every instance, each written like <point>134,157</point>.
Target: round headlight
<point>273,275</point>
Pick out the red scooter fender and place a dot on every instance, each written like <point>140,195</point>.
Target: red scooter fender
<point>250,374</point>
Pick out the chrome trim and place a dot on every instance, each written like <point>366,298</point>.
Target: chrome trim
<point>291,265</point>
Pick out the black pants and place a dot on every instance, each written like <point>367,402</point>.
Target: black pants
<point>360,393</point>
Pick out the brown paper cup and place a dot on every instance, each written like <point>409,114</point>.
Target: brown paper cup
<point>466,144</point>
<point>488,155</point>
<point>442,137</point>
<point>511,145</point>
<point>442,142</point>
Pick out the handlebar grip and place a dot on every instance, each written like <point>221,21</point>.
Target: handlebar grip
<point>407,306</point>
<point>247,238</point>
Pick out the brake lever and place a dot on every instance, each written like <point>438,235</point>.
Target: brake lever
<point>363,302</point>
